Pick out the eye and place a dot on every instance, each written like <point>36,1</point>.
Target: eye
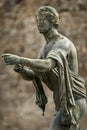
<point>44,20</point>
<point>41,20</point>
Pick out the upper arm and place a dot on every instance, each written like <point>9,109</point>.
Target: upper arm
<point>74,59</point>
<point>63,45</point>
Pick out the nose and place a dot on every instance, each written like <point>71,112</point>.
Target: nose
<point>39,23</point>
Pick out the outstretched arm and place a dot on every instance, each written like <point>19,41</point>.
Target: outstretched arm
<point>40,65</point>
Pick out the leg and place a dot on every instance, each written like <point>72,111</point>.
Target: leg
<point>56,124</point>
<point>79,111</point>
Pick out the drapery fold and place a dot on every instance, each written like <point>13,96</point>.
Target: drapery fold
<point>70,85</point>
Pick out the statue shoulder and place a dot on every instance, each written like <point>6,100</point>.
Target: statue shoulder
<point>64,44</point>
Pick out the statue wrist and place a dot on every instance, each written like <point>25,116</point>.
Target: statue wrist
<point>20,60</point>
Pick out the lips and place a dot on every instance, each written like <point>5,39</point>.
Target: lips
<point>40,27</point>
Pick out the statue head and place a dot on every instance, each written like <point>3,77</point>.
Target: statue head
<point>50,14</point>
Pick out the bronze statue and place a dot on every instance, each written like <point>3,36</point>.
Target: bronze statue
<point>57,67</point>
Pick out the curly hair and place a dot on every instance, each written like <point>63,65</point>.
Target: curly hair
<point>51,14</point>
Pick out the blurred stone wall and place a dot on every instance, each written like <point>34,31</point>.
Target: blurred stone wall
<point>19,35</point>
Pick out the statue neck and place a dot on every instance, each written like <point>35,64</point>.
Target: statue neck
<point>50,35</point>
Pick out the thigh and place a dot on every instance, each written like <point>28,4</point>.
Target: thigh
<point>56,124</point>
<point>80,109</point>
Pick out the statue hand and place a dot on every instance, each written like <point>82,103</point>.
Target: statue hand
<point>18,68</point>
<point>11,59</point>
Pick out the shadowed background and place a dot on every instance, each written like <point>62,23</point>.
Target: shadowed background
<point>19,35</point>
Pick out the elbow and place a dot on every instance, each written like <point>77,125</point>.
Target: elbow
<point>48,65</point>
<point>51,64</point>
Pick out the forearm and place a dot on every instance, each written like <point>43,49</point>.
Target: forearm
<point>40,65</point>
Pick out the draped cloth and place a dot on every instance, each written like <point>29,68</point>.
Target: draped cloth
<point>70,85</point>
<point>41,99</point>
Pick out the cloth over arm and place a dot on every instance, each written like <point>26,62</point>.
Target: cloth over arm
<point>69,84</point>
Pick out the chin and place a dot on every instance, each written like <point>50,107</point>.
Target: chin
<point>42,31</point>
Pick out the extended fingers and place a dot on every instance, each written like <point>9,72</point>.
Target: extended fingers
<point>5,55</point>
<point>7,61</point>
<point>7,58</point>
<point>10,59</point>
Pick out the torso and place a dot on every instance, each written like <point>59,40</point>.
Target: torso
<point>66,45</point>
<point>52,79</point>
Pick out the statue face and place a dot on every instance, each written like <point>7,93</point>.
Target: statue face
<point>42,23</point>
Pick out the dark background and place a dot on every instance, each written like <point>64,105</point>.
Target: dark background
<point>19,35</point>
